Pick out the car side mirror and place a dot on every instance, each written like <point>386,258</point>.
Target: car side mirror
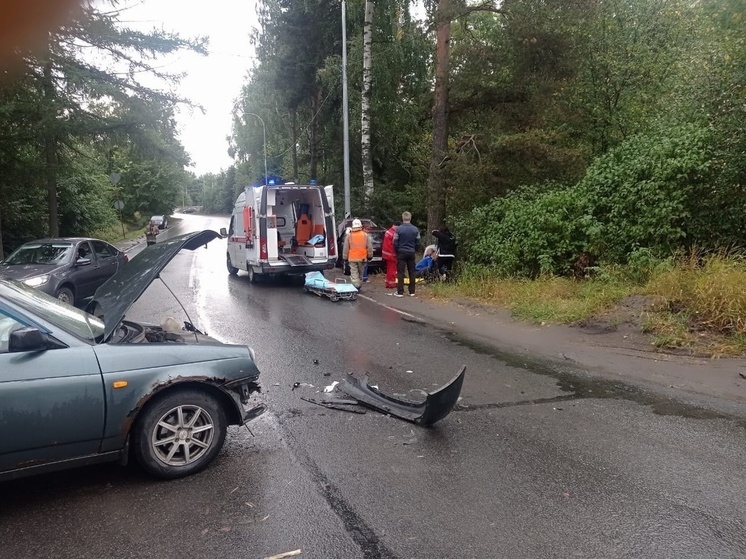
<point>83,262</point>
<point>223,232</point>
<point>27,339</point>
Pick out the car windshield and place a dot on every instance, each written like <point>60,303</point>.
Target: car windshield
<point>49,309</point>
<point>41,253</point>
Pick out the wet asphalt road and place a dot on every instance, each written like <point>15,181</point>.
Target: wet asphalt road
<point>537,463</point>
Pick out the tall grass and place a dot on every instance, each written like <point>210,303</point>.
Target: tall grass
<point>545,299</point>
<point>696,301</point>
<point>710,289</point>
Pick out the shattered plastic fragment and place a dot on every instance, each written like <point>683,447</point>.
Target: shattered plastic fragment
<point>331,387</point>
<point>286,554</point>
<point>436,406</point>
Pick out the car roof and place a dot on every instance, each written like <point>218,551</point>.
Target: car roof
<point>63,240</point>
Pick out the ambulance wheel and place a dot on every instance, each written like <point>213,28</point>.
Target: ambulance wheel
<point>231,270</point>
<point>252,276</point>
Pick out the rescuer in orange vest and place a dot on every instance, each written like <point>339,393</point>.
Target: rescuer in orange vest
<point>357,250</point>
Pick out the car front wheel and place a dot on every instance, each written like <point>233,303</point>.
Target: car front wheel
<point>179,434</point>
<point>65,294</point>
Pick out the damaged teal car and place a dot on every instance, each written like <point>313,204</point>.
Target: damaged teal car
<point>80,387</point>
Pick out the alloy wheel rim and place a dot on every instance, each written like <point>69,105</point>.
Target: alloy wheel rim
<point>182,435</point>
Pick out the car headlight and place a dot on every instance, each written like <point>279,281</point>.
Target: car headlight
<point>37,281</point>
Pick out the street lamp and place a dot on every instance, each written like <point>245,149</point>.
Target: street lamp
<point>345,111</point>
<point>264,130</point>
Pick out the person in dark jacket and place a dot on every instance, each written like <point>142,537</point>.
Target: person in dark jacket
<point>407,241</point>
<point>446,248</point>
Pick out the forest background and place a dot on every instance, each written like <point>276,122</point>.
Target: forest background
<point>556,138</point>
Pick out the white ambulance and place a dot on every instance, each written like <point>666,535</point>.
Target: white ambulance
<point>280,229</point>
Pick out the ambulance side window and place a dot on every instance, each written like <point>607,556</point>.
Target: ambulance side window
<point>232,224</point>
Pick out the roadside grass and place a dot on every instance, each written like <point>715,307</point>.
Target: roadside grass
<point>696,303</point>
<point>546,299</point>
<point>704,304</point>
<point>114,235</point>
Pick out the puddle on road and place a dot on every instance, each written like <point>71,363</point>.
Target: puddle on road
<point>580,386</point>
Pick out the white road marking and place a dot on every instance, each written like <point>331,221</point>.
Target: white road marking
<point>360,296</point>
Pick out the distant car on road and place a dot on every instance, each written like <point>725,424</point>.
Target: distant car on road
<point>68,268</point>
<point>80,388</point>
<point>161,221</point>
<point>190,210</point>
<point>376,234</point>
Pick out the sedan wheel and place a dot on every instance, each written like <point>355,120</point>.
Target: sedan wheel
<point>180,434</point>
<point>65,295</point>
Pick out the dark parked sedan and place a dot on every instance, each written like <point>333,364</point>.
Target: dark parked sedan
<point>70,269</point>
<point>79,388</point>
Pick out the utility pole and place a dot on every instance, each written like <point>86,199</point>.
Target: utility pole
<point>345,111</point>
<point>264,131</point>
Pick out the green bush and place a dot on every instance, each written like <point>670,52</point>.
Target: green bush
<point>527,233</point>
<point>645,192</point>
<point>636,202</point>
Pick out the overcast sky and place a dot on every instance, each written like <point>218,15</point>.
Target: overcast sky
<point>213,81</point>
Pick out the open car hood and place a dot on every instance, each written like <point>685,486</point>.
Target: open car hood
<point>114,298</point>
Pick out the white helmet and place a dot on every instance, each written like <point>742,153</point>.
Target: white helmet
<point>356,224</point>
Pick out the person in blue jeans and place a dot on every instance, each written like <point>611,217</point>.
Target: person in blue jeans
<point>407,242</point>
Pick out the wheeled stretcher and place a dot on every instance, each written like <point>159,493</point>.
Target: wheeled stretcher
<point>335,290</point>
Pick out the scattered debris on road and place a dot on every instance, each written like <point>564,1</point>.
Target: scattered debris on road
<point>742,375</point>
<point>437,404</point>
<point>331,387</point>
<point>342,405</point>
<point>286,554</point>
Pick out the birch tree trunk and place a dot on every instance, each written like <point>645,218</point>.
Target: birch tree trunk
<point>436,199</point>
<point>365,105</point>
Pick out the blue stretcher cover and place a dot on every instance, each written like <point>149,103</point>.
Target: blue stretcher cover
<point>316,280</point>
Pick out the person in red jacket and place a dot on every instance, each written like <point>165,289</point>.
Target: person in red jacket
<point>389,256</point>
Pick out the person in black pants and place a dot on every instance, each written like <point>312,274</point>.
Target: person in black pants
<point>446,248</point>
<point>407,241</point>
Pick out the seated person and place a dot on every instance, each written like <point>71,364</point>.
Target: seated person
<point>429,263</point>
